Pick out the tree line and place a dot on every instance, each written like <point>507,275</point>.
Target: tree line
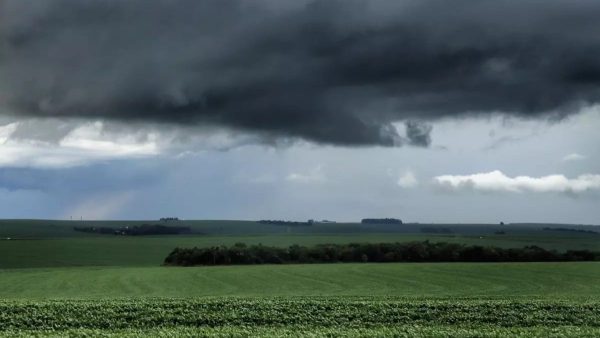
<point>241,253</point>
<point>288,223</point>
<point>381,221</point>
<point>431,230</point>
<point>137,230</point>
<point>571,230</point>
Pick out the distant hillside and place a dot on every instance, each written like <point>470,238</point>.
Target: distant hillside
<point>62,228</point>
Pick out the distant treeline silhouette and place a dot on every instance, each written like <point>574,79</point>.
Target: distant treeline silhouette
<point>288,223</point>
<point>368,252</point>
<point>137,230</point>
<point>430,230</point>
<point>571,230</point>
<point>167,219</point>
<point>381,221</point>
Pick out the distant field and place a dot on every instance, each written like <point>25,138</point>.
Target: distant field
<point>54,243</point>
<point>151,251</point>
<point>61,228</point>
<point>439,280</point>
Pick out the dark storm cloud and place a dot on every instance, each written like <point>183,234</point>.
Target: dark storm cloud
<point>418,134</point>
<point>338,72</point>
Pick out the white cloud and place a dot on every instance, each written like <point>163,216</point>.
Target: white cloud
<point>6,131</point>
<point>498,181</point>
<point>58,143</point>
<point>574,157</point>
<point>84,144</point>
<point>90,138</point>
<point>407,180</point>
<point>314,175</point>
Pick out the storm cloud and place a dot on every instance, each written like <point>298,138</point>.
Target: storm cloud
<point>333,72</point>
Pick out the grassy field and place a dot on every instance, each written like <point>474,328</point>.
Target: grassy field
<point>58,282</point>
<point>60,246</point>
<point>433,280</point>
<point>151,251</point>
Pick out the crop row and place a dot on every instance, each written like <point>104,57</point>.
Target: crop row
<point>317,312</point>
<point>311,331</point>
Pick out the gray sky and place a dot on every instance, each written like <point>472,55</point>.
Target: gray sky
<point>483,112</point>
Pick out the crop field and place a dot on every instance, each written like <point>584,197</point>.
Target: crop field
<point>57,282</point>
<point>290,317</point>
<point>353,300</point>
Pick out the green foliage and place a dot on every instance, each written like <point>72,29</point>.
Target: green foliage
<point>404,331</point>
<point>348,316</point>
<point>240,254</point>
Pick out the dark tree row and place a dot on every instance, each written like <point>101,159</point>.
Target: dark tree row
<point>376,252</point>
<point>429,230</point>
<point>381,221</point>
<point>571,230</point>
<point>288,223</point>
<point>138,230</point>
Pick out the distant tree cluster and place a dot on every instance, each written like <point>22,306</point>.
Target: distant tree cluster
<point>166,219</point>
<point>381,221</point>
<point>431,230</point>
<point>367,252</point>
<point>97,230</point>
<point>571,230</point>
<point>138,230</point>
<point>288,223</point>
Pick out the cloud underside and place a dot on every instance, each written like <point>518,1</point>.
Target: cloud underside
<point>335,72</point>
<point>496,181</point>
<point>82,145</point>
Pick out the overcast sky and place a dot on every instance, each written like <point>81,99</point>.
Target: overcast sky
<point>479,111</point>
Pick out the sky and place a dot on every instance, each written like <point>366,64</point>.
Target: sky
<point>479,111</point>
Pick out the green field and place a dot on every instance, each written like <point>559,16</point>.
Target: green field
<point>58,282</point>
<point>151,251</point>
<point>421,280</point>
<point>39,243</point>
